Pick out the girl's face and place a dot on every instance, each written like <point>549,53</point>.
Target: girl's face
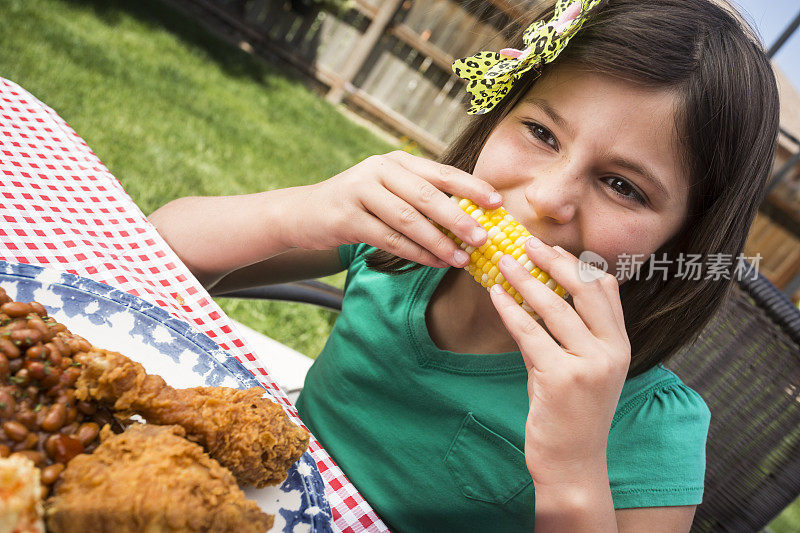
<point>591,163</point>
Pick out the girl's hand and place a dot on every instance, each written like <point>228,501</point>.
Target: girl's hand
<point>575,373</point>
<point>386,201</point>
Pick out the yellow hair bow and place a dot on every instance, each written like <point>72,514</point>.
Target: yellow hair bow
<point>490,75</point>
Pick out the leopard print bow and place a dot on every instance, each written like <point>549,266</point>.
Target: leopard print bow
<point>490,75</point>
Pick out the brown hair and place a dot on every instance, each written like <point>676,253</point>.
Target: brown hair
<point>727,123</point>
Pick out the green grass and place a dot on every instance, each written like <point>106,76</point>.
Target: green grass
<point>788,521</point>
<point>173,111</point>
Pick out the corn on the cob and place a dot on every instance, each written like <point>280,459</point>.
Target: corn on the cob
<point>506,236</point>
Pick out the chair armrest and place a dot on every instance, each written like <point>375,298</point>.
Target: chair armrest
<point>774,303</point>
<point>306,291</point>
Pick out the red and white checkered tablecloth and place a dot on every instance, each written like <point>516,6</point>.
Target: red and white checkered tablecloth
<point>61,208</point>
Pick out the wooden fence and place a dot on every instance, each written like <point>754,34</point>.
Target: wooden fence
<point>389,58</point>
<point>779,250</point>
<point>776,232</point>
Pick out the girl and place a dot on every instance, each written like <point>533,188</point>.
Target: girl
<point>649,134</point>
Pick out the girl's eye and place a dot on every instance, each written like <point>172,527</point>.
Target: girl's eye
<point>543,134</point>
<point>624,189</point>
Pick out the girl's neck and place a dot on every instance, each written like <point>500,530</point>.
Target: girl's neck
<point>461,317</point>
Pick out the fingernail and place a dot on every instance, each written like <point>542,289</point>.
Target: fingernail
<point>478,234</point>
<point>559,249</point>
<point>533,242</point>
<point>497,288</point>
<point>507,260</point>
<point>495,198</point>
<point>460,257</point>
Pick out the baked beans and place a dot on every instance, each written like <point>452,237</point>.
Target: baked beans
<point>39,415</point>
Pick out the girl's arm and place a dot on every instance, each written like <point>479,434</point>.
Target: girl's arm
<point>386,201</point>
<point>576,370</point>
<point>293,265</point>
<point>585,505</point>
<point>216,235</point>
<point>656,519</point>
<point>588,507</point>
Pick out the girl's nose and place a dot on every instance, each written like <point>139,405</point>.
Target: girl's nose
<point>555,196</point>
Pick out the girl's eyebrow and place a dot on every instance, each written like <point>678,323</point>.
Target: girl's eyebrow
<point>550,112</point>
<point>641,170</point>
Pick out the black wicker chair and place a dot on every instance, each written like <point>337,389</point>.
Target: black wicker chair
<point>746,365</point>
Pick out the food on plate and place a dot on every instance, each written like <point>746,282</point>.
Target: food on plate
<point>20,496</point>
<point>506,236</point>
<point>56,393</point>
<point>150,478</point>
<point>39,416</point>
<point>246,433</point>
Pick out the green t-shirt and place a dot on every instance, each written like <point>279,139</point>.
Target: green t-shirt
<point>433,439</point>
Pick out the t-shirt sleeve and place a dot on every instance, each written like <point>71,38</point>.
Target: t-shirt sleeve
<point>657,448</point>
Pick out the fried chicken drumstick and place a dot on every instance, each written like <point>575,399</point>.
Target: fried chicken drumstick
<point>246,433</point>
<point>150,478</point>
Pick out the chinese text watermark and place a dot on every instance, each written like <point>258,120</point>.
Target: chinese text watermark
<point>694,267</point>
